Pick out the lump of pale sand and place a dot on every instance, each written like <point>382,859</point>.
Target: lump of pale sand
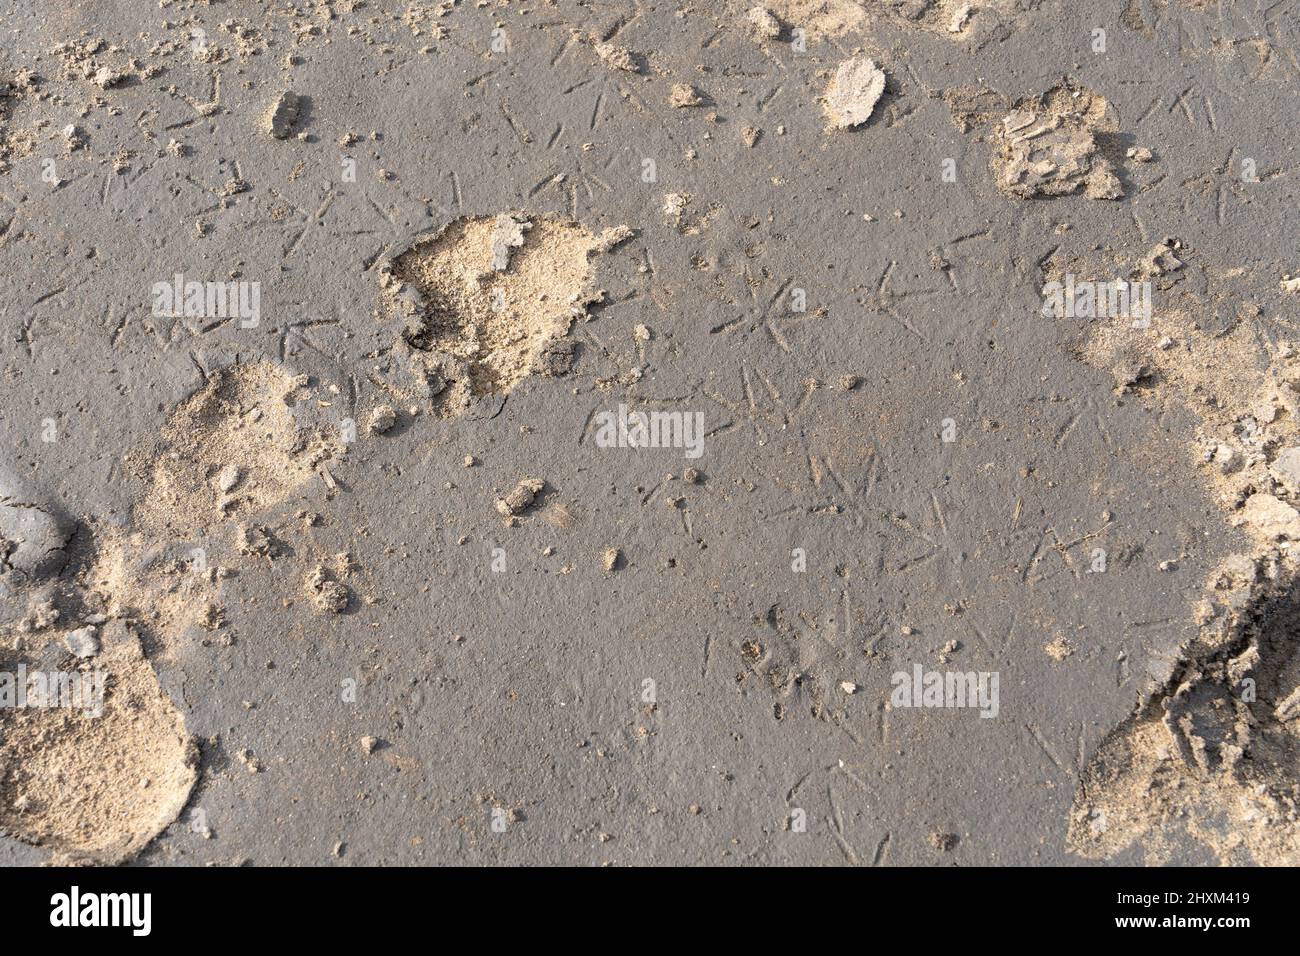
<point>853,92</point>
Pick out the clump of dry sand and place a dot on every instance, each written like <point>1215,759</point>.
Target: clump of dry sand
<point>96,786</point>
<point>834,19</point>
<point>853,92</point>
<point>486,301</point>
<point>232,449</point>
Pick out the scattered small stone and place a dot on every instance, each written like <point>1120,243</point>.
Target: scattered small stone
<point>1058,648</point>
<point>345,564</point>
<point>469,461</point>
<point>612,559</point>
<point>943,842</point>
<point>1289,284</point>
<point>227,478</point>
<point>848,687</point>
<point>611,238</point>
<point>617,57</point>
<point>1139,154</point>
<point>1129,372</point>
<point>1226,459</point>
<point>326,593</point>
<point>507,233</point>
<point>255,540</point>
<point>642,333</point>
<point>74,137</point>
<point>1287,467</point>
<point>1160,259</point>
<point>368,744</point>
<point>199,825</point>
<point>106,78</point>
<point>960,18</point>
<point>213,617</point>
<point>1289,707</point>
<point>749,135</point>
<point>247,758</point>
<point>674,205</point>
<point>1271,518</point>
<point>692,476</point>
<point>41,615</point>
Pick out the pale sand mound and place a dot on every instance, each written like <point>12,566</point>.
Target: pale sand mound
<point>232,449</point>
<point>489,296</point>
<point>97,787</point>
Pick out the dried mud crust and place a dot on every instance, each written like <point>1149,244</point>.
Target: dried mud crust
<point>956,19</point>
<point>486,302</point>
<point>1058,143</point>
<point>32,538</point>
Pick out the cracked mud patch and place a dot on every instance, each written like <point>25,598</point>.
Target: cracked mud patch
<point>32,539</point>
